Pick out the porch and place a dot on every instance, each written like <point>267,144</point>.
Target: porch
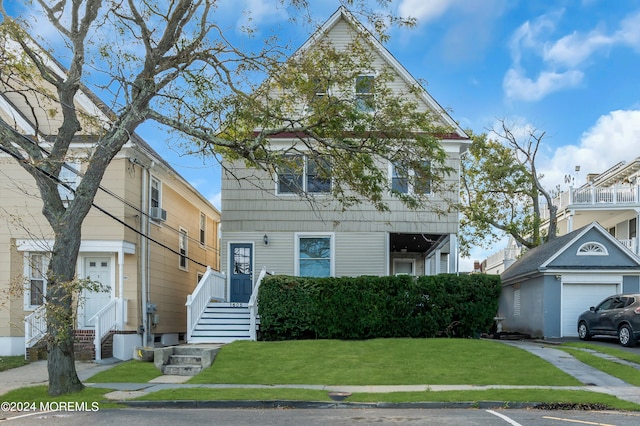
<point>212,318</point>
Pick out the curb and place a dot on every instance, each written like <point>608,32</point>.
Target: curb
<point>325,405</point>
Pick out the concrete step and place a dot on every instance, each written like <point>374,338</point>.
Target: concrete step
<point>181,369</point>
<point>185,360</point>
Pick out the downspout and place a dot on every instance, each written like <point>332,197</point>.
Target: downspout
<point>144,241</point>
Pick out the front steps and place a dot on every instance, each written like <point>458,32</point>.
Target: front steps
<point>222,323</point>
<point>187,360</point>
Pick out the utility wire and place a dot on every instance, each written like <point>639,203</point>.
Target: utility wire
<point>93,204</point>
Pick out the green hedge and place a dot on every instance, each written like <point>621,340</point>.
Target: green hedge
<point>368,307</point>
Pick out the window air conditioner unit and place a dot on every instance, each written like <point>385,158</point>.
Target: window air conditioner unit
<point>156,213</point>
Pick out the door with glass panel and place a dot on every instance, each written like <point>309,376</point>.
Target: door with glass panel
<point>241,276</point>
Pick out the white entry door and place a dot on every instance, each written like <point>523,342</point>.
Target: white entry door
<point>96,269</point>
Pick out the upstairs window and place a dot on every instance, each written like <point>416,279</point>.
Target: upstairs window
<point>69,178</point>
<point>183,246</point>
<point>156,192</point>
<point>364,93</point>
<point>405,180</point>
<point>301,174</point>
<point>203,228</point>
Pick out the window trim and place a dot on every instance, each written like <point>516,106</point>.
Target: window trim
<point>153,180</point>
<point>183,245</point>
<point>332,249</point>
<point>411,190</point>
<point>202,236</point>
<point>28,306</point>
<point>304,179</point>
<point>359,96</point>
<point>71,178</point>
<point>592,248</point>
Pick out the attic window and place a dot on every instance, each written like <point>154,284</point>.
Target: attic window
<point>592,249</point>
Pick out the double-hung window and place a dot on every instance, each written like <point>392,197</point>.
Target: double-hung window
<point>314,255</point>
<point>406,180</point>
<point>203,228</point>
<point>301,174</point>
<point>183,246</point>
<point>365,101</point>
<point>36,265</point>
<point>156,191</point>
<point>69,178</point>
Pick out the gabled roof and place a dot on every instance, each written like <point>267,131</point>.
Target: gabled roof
<point>539,259</point>
<point>343,14</point>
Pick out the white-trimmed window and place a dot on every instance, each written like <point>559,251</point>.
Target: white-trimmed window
<point>69,179</point>
<point>365,98</point>
<point>314,255</point>
<point>301,174</point>
<point>203,228</point>
<point>405,180</point>
<point>35,268</point>
<point>592,248</point>
<point>183,247</point>
<point>155,198</point>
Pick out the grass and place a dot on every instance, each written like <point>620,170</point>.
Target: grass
<point>503,395</point>
<point>132,371</point>
<point>623,372</point>
<point>39,394</point>
<point>618,353</point>
<point>8,362</point>
<point>381,362</point>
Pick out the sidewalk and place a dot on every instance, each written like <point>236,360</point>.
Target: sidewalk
<point>594,380</point>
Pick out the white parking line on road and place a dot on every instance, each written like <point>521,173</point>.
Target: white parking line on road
<point>576,421</point>
<point>505,418</point>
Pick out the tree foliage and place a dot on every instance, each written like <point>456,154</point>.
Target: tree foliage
<point>173,64</point>
<point>501,190</point>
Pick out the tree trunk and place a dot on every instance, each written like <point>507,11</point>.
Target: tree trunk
<point>63,377</point>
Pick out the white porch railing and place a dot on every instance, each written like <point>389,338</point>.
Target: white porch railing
<point>211,286</point>
<point>596,196</point>
<point>111,317</point>
<point>253,305</point>
<point>35,327</point>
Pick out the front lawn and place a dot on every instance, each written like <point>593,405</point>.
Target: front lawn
<point>8,362</point>
<point>381,362</point>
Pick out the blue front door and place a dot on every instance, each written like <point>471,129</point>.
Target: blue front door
<point>241,272</point>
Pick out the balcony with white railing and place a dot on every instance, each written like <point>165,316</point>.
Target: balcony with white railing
<point>615,196</point>
<point>212,286</point>
<point>111,317</point>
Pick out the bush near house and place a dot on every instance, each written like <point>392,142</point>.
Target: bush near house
<point>368,307</point>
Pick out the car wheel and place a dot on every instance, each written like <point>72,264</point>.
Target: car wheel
<point>625,336</point>
<point>583,331</point>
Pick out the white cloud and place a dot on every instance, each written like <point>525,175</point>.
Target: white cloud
<point>613,138</point>
<point>423,10</point>
<point>257,12</point>
<point>575,49</point>
<point>562,59</point>
<point>518,86</point>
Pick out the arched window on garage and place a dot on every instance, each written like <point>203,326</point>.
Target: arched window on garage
<point>592,249</point>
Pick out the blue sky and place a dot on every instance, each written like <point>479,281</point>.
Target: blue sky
<point>568,68</point>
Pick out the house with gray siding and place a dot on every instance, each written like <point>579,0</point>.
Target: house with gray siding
<point>268,225</point>
<point>264,223</point>
<point>545,291</point>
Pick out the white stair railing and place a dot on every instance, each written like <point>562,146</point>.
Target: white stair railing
<point>253,305</point>
<point>35,327</point>
<point>211,286</point>
<point>110,317</point>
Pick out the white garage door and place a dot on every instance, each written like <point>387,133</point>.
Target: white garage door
<point>577,298</point>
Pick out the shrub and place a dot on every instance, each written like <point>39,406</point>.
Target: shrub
<point>368,307</point>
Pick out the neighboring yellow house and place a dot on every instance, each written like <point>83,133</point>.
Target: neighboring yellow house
<point>149,238</point>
